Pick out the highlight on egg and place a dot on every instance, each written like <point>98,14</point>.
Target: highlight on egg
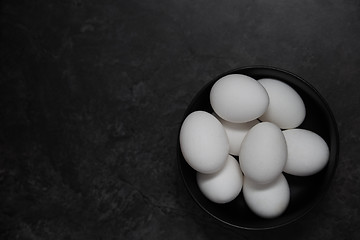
<point>224,185</point>
<point>238,98</point>
<point>308,153</point>
<point>203,142</point>
<point>286,108</point>
<point>263,153</point>
<point>267,200</point>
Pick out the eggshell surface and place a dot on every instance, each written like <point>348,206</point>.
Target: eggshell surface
<point>286,108</point>
<point>263,153</point>
<point>236,132</point>
<point>203,142</point>
<point>238,98</point>
<point>224,185</point>
<point>267,200</point>
<point>308,153</point>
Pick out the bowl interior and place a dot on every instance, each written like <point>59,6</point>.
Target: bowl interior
<point>305,192</point>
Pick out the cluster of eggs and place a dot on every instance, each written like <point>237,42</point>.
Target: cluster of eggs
<point>256,121</point>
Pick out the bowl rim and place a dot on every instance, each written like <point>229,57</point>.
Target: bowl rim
<point>334,135</point>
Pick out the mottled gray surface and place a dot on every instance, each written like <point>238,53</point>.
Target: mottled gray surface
<point>92,94</point>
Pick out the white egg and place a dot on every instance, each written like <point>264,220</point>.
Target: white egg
<point>263,153</point>
<point>203,142</point>
<point>267,200</point>
<point>308,153</point>
<point>286,108</point>
<point>236,133</point>
<point>238,98</point>
<point>224,185</point>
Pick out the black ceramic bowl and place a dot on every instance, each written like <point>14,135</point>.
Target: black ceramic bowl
<point>305,192</point>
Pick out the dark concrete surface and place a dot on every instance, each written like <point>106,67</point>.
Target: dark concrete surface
<point>92,94</point>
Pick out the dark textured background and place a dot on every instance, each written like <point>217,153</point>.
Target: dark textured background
<point>92,94</point>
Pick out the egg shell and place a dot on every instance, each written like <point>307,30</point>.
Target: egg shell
<point>263,153</point>
<point>224,185</point>
<point>308,153</point>
<point>267,200</point>
<point>238,98</point>
<point>236,132</point>
<point>286,108</point>
<point>203,142</point>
